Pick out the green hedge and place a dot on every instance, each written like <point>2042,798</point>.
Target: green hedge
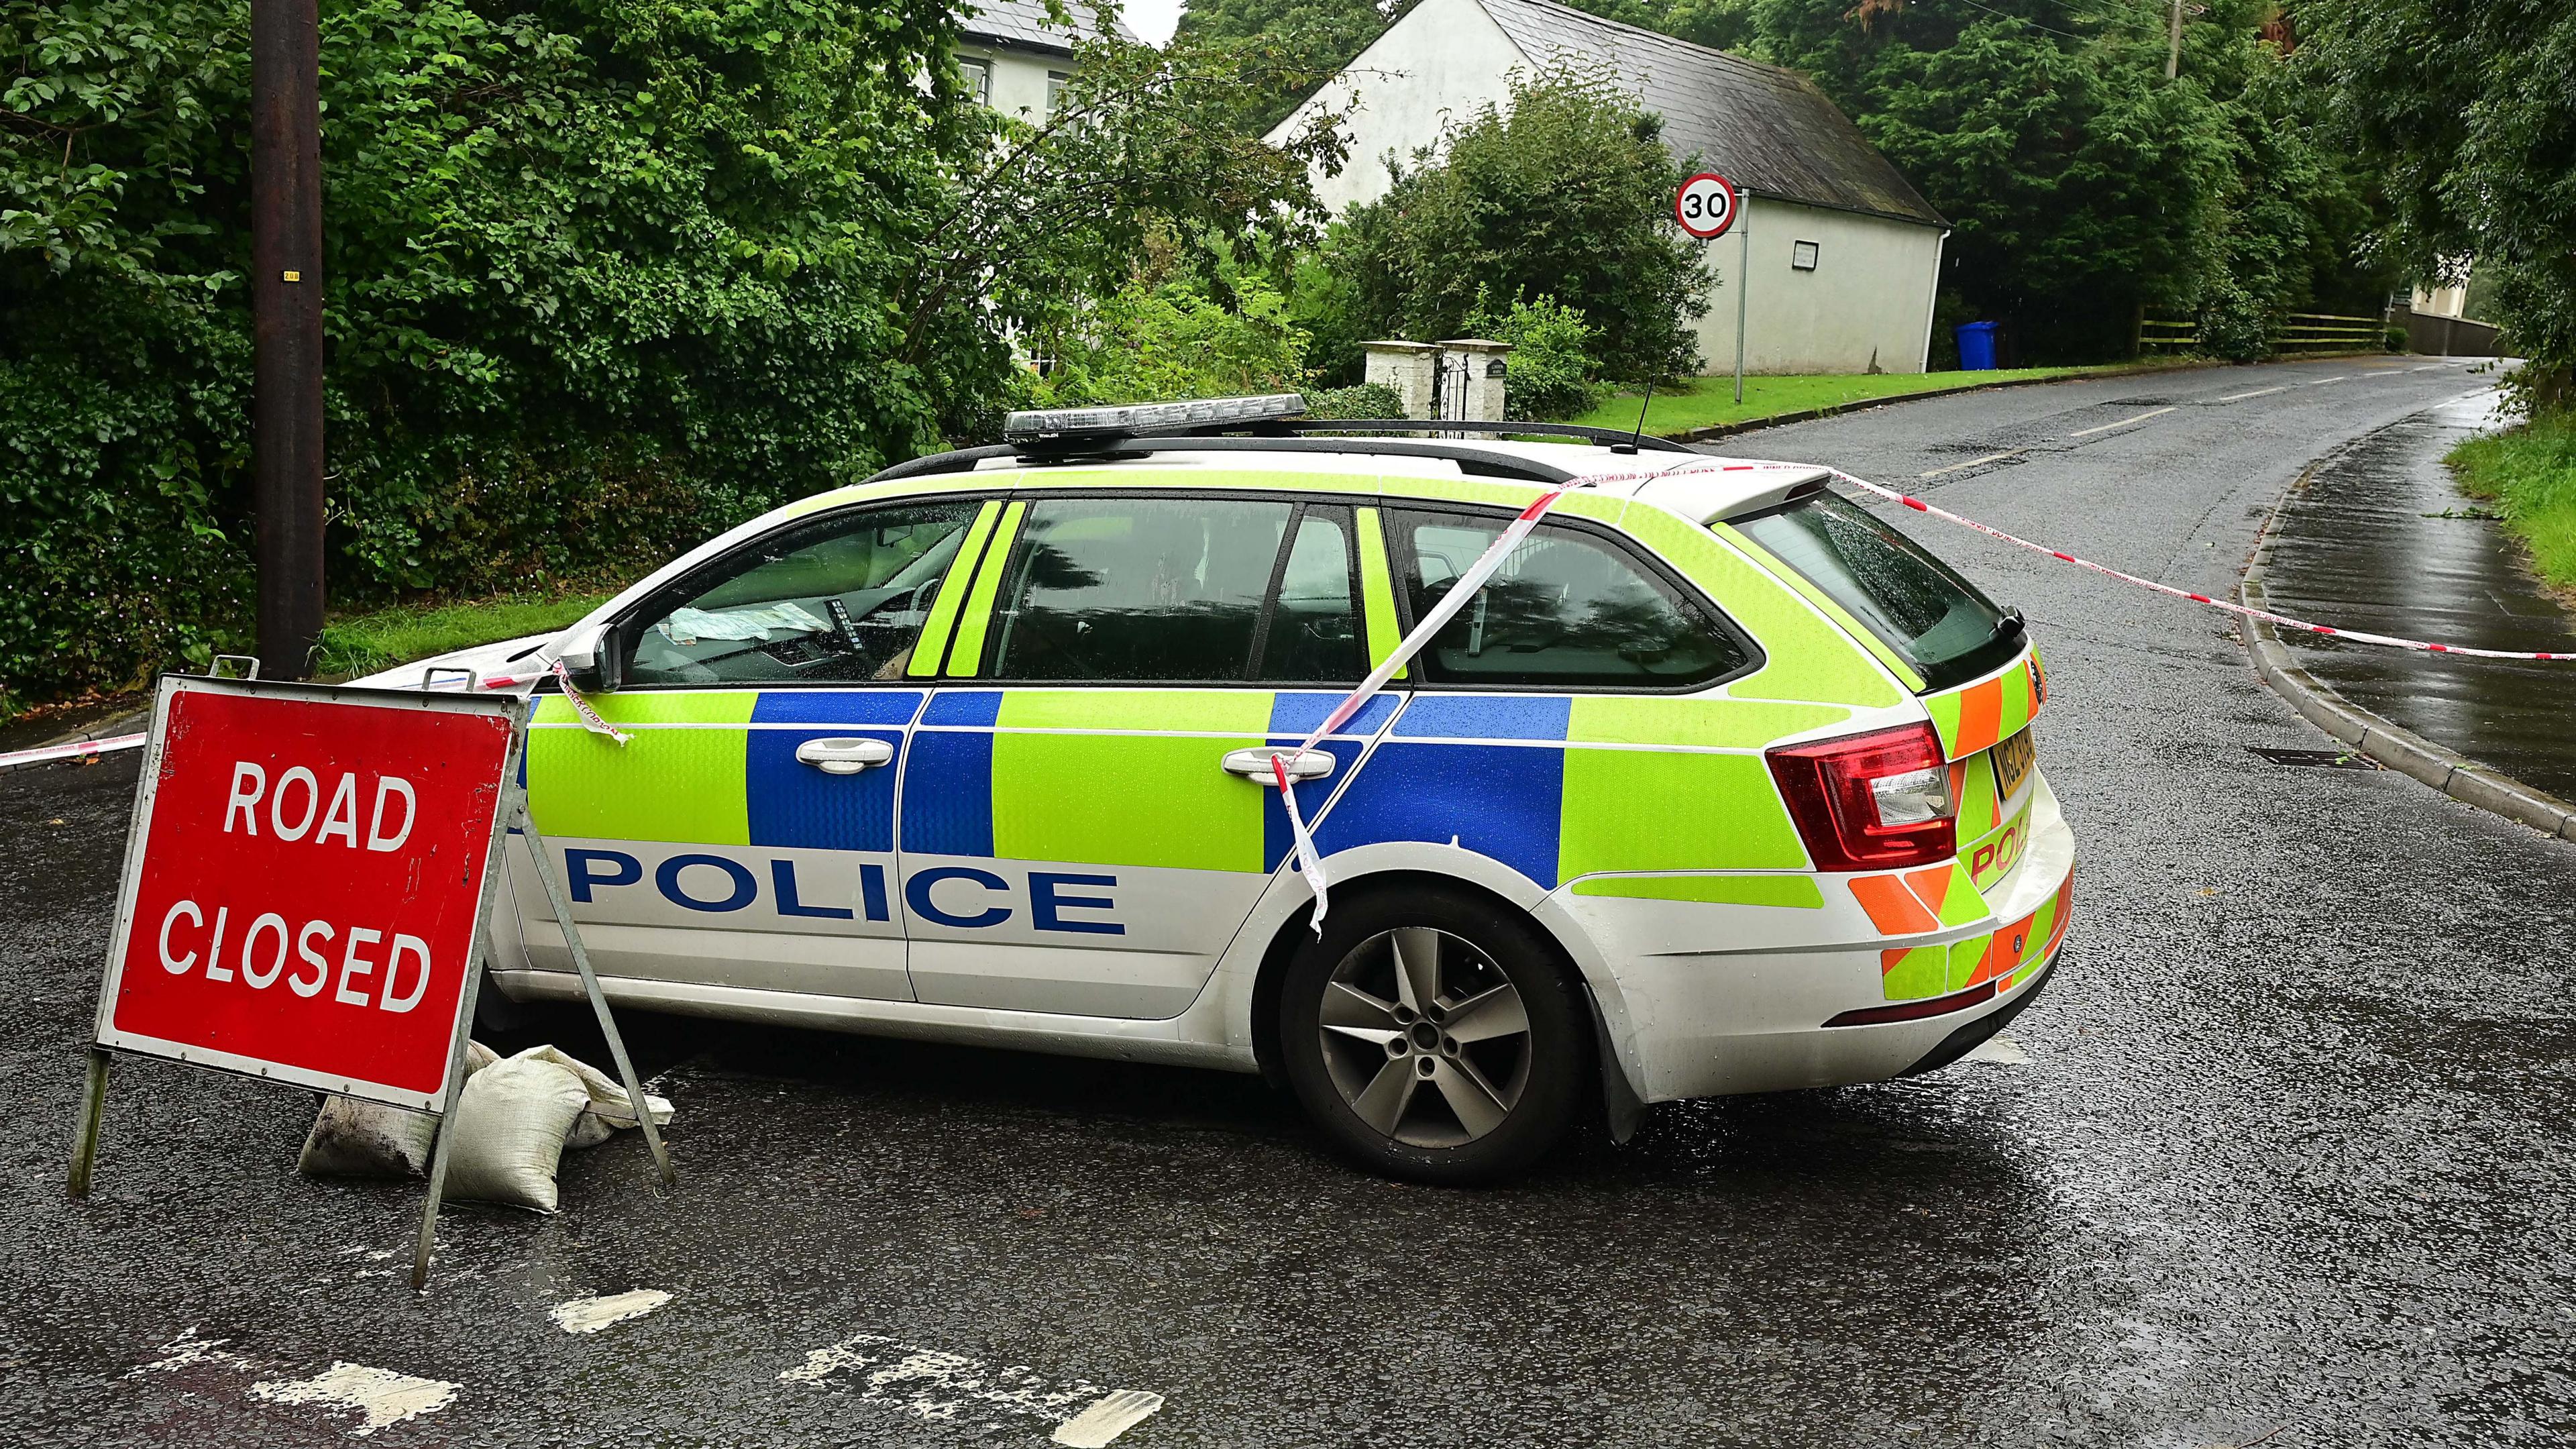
<point>600,279</point>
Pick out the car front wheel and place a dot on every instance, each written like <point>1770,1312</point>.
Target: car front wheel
<point>1434,1036</point>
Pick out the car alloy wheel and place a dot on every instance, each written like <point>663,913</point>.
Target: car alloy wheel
<point>1425,1037</point>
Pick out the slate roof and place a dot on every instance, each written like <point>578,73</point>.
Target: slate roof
<point>1024,23</point>
<point>1764,128</point>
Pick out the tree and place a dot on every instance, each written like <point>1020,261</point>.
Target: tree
<point>601,279</point>
<point>2083,184</point>
<point>1317,37</point>
<point>2469,107</point>
<point>1565,193</point>
<point>1717,24</point>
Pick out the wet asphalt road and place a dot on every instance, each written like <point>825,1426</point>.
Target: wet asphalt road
<point>2381,538</point>
<point>2289,1155</point>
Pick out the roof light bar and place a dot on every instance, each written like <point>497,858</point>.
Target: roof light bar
<point>1074,424</point>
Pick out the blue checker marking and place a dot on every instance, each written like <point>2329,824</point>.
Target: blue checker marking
<point>948,793</point>
<point>1295,714</point>
<point>964,707</point>
<point>796,805</point>
<point>1485,717</point>
<point>1503,801</point>
<point>837,706</point>
<point>1275,835</point>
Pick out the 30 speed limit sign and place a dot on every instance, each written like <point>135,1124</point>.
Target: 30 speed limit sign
<point>1706,205</point>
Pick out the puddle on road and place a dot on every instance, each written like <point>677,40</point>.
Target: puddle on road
<point>2381,541</point>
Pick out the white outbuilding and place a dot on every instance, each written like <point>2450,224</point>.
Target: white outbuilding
<point>1843,254</point>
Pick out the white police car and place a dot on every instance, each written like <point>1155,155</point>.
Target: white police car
<point>1718,785</point>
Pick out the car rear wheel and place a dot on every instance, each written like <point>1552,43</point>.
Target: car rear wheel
<point>1434,1035</point>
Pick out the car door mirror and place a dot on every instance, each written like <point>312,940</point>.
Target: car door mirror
<point>591,661</point>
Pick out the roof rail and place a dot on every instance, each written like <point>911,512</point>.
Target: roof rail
<point>1482,462</point>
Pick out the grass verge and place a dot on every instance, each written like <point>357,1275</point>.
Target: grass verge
<point>366,643</point>
<point>1707,402</point>
<point>2529,474</point>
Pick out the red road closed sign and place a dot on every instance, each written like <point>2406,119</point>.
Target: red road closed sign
<point>304,883</point>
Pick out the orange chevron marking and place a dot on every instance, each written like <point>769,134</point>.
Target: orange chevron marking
<point>1932,886</point>
<point>1891,907</point>
<point>1981,712</point>
<point>1887,960</point>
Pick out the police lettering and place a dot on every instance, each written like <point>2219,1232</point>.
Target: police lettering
<point>394,981</point>
<point>959,896</point>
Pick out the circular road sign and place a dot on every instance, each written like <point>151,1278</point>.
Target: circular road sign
<point>1706,205</point>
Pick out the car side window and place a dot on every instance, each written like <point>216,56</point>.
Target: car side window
<point>1567,609</point>
<point>1177,590</point>
<point>840,600</point>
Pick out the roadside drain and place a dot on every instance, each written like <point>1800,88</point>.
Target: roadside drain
<point>2316,759</point>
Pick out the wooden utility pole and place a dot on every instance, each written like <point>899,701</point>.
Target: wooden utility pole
<point>2173,41</point>
<point>286,328</point>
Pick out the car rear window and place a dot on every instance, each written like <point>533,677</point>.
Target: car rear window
<point>1917,605</point>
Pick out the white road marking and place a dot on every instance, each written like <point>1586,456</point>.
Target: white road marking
<point>2258,392</point>
<point>590,1315</point>
<point>2322,381</point>
<point>941,1388</point>
<point>384,1396</point>
<point>2427,367</point>
<point>2122,423</point>
<point>2000,1050</point>
<point>1107,1418</point>
<point>187,1351</point>
<point>1973,462</point>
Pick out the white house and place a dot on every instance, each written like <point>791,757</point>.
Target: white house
<point>1016,60</point>
<point>1843,253</point>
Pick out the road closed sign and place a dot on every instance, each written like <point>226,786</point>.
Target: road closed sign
<point>305,882</point>
<point>1705,205</point>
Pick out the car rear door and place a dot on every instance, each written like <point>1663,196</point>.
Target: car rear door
<point>1086,823</point>
<point>743,838</point>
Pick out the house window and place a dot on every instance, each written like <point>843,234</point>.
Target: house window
<point>1802,255</point>
<point>1057,80</point>
<point>977,76</point>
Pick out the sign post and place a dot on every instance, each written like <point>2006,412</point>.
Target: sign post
<point>1708,206</point>
<point>307,897</point>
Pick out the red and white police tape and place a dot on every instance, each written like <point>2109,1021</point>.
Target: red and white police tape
<point>1309,863</point>
<point>1457,599</point>
<point>2284,620</point>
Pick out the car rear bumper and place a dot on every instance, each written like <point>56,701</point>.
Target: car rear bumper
<point>1712,1009</point>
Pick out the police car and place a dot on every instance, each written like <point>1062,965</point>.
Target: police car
<point>1718,785</point>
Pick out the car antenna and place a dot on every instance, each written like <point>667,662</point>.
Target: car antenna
<point>1631,445</point>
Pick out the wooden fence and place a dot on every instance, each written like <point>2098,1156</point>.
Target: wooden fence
<point>2289,332</point>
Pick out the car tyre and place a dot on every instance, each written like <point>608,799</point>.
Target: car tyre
<point>1435,1035</point>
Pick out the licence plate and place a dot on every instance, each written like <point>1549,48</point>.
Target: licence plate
<point>2012,765</point>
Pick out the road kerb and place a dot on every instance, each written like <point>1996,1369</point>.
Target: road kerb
<point>1715,431</point>
<point>2400,749</point>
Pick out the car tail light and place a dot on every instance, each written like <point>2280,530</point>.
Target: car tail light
<point>1871,802</point>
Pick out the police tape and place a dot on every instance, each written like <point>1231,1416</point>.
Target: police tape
<point>76,750</point>
<point>1310,863</point>
<point>590,719</point>
<point>2285,621</point>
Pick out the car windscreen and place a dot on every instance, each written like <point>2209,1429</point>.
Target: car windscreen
<point>1917,605</point>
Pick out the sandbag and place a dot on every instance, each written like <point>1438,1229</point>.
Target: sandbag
<point>351,1138</point>
<point>510,1125</point>
<point>609,1112</point>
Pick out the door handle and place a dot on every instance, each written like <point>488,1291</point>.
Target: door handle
<point>1254,765</point>
<point>845,757</point>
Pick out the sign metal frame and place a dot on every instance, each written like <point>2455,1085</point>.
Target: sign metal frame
<point>510,814</point>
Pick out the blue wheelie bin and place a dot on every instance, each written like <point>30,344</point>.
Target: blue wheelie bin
<point>1976,346</point>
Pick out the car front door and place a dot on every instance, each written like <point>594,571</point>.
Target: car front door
<point>744,836</point>
<point>1086,820</point>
